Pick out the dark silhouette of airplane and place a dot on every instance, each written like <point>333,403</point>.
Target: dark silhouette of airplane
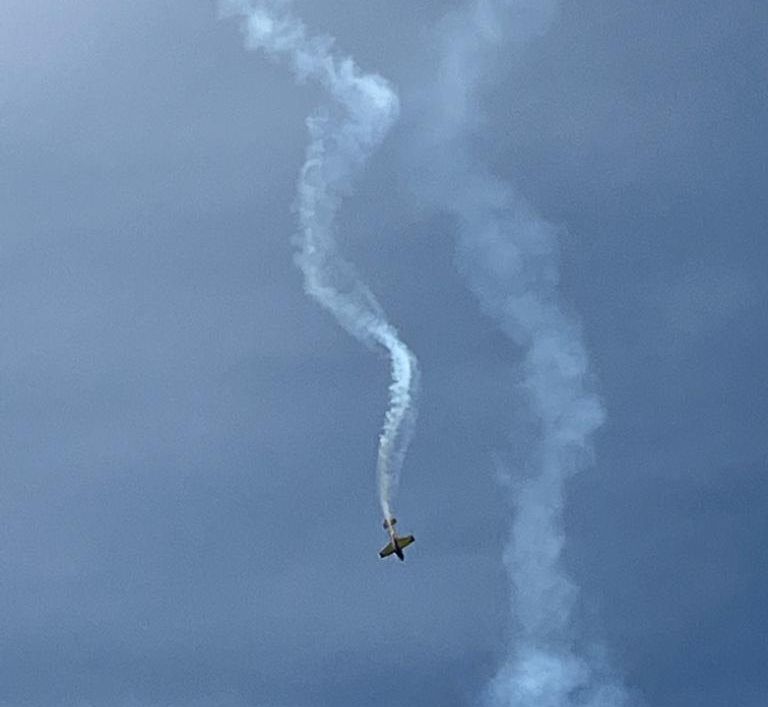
<point>396,543</point>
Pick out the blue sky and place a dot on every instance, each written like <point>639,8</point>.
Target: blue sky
<point>188,507</point>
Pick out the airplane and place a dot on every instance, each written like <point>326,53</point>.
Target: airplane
<point>396,544</point>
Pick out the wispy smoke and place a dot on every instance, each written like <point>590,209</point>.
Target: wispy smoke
<point>509,257</point>
<point>341,139</point>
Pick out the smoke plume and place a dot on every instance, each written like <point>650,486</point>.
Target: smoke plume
<point>508,255</point>
<point>342,136</point>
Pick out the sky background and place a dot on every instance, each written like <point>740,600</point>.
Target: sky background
<point>188,514</point>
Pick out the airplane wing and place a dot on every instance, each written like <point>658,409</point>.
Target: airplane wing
<point>387,551</point>
<point>406,541</point>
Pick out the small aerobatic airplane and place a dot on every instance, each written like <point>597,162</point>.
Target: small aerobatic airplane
<point>396,544</point>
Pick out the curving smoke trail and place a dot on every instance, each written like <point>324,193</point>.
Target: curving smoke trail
<point>341,139</point>
<point>508,255</point>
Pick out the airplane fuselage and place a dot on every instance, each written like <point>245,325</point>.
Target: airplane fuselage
<point>396,545</point>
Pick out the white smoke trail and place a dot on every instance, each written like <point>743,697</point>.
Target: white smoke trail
<point>341,139</point>
<point>509,257</point>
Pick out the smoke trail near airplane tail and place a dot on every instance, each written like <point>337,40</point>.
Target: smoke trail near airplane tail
<point>341,139</point>
<point>508,255</point>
